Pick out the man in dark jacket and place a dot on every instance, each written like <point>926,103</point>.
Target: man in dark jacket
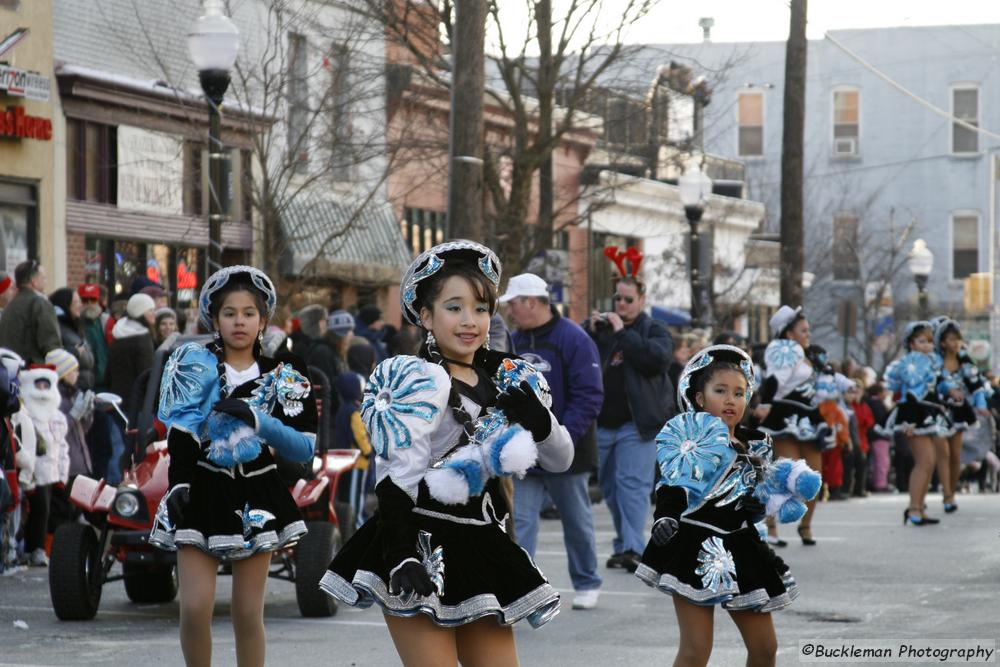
<point>370,325</point>
<point>29,326</point>
<point>638,399</point>
<point>568,358</point>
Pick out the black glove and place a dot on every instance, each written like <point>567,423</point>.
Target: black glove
<point>410,578</point>
<point>750,503</point>
<point>177,501</point>
<point>235,407</point>
<point>771,558</point>
<point>522,406</point>
<point>663,530</point>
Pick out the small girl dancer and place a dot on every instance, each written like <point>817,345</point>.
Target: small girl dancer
<point>705,549</point>
<point>228,409</point>
<point>964,392</point>
<point>913,379</point>
<point>445,425</point>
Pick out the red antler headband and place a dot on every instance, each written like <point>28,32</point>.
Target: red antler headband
<point>633,256</point>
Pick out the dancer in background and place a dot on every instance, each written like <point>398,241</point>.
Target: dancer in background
<point>226,407</point>
<point>964,393</point>
<point>917,415</point>
<point>789,405</point>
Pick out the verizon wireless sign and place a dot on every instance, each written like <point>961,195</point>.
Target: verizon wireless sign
<point>22,83</point>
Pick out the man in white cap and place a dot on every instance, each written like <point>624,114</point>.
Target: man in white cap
<point>568,358</point>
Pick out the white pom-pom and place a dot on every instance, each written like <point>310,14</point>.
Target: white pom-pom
<point>447,485</point>
<point>775,502</point>
<point>239,434</point>
<point>519,454</point>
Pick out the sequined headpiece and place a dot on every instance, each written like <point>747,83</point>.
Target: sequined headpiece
<point>943,325</point>
<point>685,392</point>
<point>221,278</point>
<point>431,261</point>
<point>910,328</point>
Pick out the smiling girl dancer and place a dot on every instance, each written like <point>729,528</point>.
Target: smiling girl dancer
<point>705,549</point>
<point>435,556</point>
<point>226,408</point>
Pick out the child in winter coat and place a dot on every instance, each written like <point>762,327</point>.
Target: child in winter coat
<point>349,432</point>
<point>40,400</point>
<point>78,408</point>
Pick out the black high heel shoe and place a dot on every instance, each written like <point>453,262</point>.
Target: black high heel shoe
<point>806,541</point>
<point>917,520</point>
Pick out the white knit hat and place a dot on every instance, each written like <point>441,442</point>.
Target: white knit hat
<point>139,305</point>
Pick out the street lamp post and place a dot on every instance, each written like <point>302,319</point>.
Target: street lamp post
<point>213,44</point>
<point>921,261</point>
<point>694,187</point>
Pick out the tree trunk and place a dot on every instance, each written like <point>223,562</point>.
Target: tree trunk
<point>465,174</point>
<point>546,90</point>
<point>792,232</point>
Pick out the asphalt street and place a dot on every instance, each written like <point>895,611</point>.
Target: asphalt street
<point>870,577</point>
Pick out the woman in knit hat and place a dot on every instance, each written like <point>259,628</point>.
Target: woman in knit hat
<point>77,406</point>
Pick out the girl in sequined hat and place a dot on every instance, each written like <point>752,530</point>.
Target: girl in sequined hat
<point>226,408</point>
<point>918,414</point>
<point>446,426</point>
<point>705,549</point>
<point>964,392</point>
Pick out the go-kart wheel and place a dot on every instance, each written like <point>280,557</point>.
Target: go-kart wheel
<point>150,583</point>
<point>313,554</point>
<point>345,518</point>
<point>76,575</point>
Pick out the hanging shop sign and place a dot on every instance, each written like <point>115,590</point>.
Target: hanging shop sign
<point>15,124</point>
<point>150,171</point>
<point>22,83</point>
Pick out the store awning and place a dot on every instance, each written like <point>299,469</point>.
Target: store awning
<point>358,242</point>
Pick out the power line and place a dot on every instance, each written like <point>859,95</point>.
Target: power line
<point>901,88</point>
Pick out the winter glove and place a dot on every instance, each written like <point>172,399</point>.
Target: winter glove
<point>750,503</point>
<point>409,578</point>
<point>177,501</point>
<point>237,408</point>
<point>522,406</point>
<point>663,530</point>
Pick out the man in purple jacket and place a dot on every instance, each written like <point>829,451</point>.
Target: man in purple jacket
<point>568,358</point>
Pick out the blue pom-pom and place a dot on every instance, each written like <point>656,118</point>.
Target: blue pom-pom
<point>791,510</point>
<point>472,472</point>
<point>808,484</point>
<point>220,428</point>
<point>780,472</point>
<point>247,449</point>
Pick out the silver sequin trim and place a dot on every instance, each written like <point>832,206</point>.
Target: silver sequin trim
<point>229,547</point>
<point>368,588</point>
<point>757,600</point>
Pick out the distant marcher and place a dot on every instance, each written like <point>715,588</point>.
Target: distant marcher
<point>29,326</point>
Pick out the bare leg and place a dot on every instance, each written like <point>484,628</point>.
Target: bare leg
<point>486,643</point>
<point>696,625</point>
<point>758,635</point>
<point>196,572</point>
<point>783,448</point>
<point>942,461</point>
<point>923,469</point>
<point>247,610</point>
<point>955,460</point>
<point>420,643</point>
<point>813,459</point>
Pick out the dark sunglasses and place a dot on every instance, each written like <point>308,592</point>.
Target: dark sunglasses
<point>622,297</point>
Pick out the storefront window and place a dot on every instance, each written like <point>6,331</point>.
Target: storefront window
<point>186,294</point>
<point>17,219</point>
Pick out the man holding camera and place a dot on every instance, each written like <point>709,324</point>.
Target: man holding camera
<point>635,354</point>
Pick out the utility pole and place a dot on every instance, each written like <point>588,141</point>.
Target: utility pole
<point>792,228</point>
<point>465,173</point>
<point>545,92</point>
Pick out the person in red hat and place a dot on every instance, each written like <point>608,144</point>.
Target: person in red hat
<point>94,320</point>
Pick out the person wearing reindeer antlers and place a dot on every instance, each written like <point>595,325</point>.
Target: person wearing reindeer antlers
<point>635,354</point>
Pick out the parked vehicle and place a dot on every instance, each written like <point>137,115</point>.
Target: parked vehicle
<point>119,519</point>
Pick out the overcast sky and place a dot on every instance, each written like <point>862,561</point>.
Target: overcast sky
<point>673,21</point>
